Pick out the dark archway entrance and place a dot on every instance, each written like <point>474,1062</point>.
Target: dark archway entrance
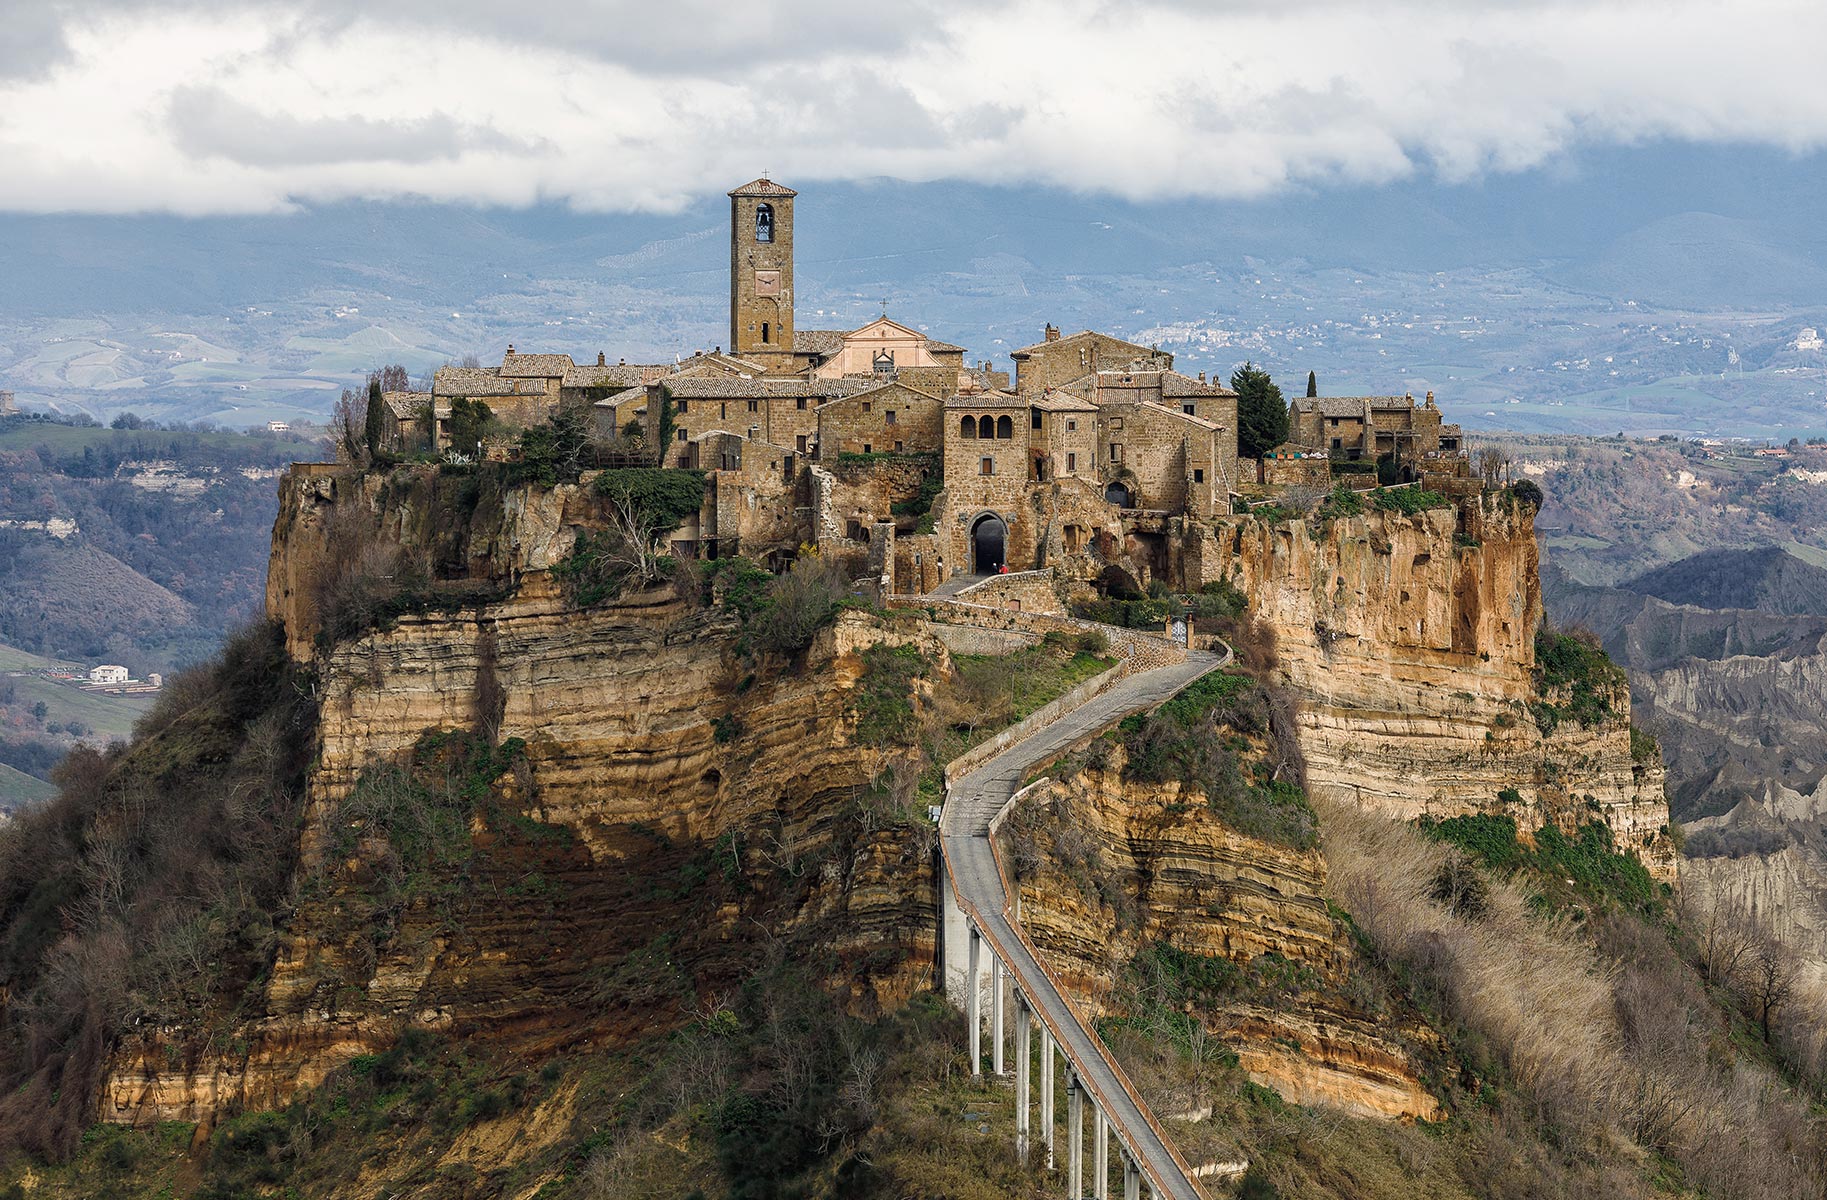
<point>1120,495</point>
<point>989,536</point>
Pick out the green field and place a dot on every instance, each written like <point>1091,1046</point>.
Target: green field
<point>109,716</point>
<point>16,787</point>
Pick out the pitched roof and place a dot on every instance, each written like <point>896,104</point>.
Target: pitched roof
<point>1083,333</point>
<point>763,187</point>
<point>1058,401</point>
<point>611,374</point>
<point>471,381</point>
<point>818,341</point>
<point>1174,384</point>
<point>935,347</point>
<point>1180,415</point>
<point>881,387</point>
<point>535,366</point>
<point>405,405</point>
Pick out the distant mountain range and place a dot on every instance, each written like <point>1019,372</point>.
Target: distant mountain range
<point>1660,289</point>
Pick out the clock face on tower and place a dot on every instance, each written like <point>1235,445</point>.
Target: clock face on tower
<point>767,283</point>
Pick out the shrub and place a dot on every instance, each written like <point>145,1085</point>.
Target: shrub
<point>883,700</point>
<point>1342,501</point>
<point>1574,663</point>
<point>800,603</point>
<point>1408,501</point>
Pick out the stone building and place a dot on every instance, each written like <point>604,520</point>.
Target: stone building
<point>761,275</point>
<point>1372,426</point>
<point>890,418</point>
<point>1055,361</point>
<point>7,407</point>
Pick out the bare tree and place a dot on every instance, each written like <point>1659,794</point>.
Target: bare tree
<point>1768,978</point>
<point>349,427</point>
<point>1493,466</point>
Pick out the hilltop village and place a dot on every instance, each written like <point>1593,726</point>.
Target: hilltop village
<point>1094,457</point>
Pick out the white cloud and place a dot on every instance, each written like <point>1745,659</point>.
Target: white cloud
<point>217,106</point>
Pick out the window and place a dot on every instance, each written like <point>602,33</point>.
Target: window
<point>683,435</point>
<point>754,406</point>
<point>1071,426</point>
<point>1188,409</point>
<point>682,408</point>
<point>898,447</point>
<point>1005,428</point>
<point>802,443</point>
<point>764,226</point>
<point>1338,443</point>
<point>764,331</point>
<point>1116,452</point>
<point>1071,462</point>
<point>1198,474</point>
<point>801,404</point>
<point>868,449</point>
<point>987,467</point>
<point>1034,419</point>
<point>866,406</point>
<point>723,409</point>
<point>967,427</point>
<point>986,427</point>
<point>891,416</point>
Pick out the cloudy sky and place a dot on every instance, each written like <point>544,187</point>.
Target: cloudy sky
<point>213,106</point>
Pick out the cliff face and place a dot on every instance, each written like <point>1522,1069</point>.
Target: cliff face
<point>1109,868</point>
<point>670,799</point>
<point>1409,642</point>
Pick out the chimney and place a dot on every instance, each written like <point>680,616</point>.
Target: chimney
<point>601,361</point>
<point>1202,377</point>
<point>621,362</point>
<point>510,352</point>
<point>1430,399</point>
<point>1052,333</point>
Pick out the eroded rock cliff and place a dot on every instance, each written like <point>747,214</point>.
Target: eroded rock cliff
<point>1410,644</point>
<point>650,806</point>
<point>1109,869</point>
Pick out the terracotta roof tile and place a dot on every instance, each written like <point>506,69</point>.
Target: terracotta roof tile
<point>535,366</point>
<point>763,187</point>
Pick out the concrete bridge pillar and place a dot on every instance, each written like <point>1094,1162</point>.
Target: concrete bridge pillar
<point>973,1003</point>
<point>1100,1154</point>
<point>1046,1091</point>
<point>1023,1036</point>
<point>1075,1136</point>
<point>1132,1179</point>
<point>996,990</point>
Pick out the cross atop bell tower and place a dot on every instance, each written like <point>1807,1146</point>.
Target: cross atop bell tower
<point>761,269</point>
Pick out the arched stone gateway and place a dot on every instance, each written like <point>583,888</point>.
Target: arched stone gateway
<point>989,539</point>
<point>1119,494</point>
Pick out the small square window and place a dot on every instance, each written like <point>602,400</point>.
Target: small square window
<point>683,407</point>
<point>898,447</point>
<point>890,417</point>
<point>1034,419</point>
<point>1189,409</point>
<point>868,449</point>
<point>987,467</point>
<point>1198,474</point>
<point>1071,426</point>
<point>866,406</point>
<point>754,406</point>
<point>801,404</point>
<point>683,435</point>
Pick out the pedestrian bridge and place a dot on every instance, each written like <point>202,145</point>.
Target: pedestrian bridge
<point>988,960</point>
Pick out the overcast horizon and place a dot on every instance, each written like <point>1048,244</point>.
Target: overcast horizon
<point>216,107</point>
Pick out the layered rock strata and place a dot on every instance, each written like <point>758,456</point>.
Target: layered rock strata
<point>673,800</point>
<point>1410,643</point>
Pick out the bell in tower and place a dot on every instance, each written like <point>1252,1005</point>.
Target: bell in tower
<point>761,273</point>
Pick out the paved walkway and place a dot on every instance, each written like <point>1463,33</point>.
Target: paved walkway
<point>970,805</point>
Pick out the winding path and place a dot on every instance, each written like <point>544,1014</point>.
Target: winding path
<point>972,804</point>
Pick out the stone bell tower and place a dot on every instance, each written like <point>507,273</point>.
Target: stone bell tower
<point>761,272</point>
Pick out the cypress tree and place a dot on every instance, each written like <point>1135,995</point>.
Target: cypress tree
<point>373,427</point>
<point>1312,385</point>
